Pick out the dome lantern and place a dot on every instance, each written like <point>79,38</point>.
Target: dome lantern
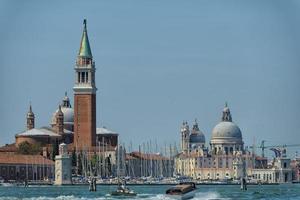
<point>66,101</point>
<point>226,114</point>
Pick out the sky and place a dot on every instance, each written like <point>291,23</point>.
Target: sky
<point>158,63</point>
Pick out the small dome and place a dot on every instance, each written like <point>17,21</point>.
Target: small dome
<point>197,138</point>
<point>196,135</point>
<point>225,130</point>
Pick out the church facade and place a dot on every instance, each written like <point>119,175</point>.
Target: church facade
<point>224,159</point>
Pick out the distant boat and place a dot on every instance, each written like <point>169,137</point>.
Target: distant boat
<point>122,190</point>
<point>5,184</point>
<point>185,190</point>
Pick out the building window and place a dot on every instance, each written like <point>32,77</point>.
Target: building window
<point>226,150</point>
<point>78,77</point>
<point>82,77</point>
<point>87,76</point>
<point>284,165</point>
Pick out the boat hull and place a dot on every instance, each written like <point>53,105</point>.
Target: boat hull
<point>188,195</point>
<point>123,194</point>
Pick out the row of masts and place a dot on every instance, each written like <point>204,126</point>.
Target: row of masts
<point>149,161</point>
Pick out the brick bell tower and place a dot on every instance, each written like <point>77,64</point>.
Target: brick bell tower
<point>84,95</point>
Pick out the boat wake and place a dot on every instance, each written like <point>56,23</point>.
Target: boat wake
<point>208,196</point>
<point>198,196</point>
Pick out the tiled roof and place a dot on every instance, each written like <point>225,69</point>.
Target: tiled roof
<point>11,158</point>
<point>8,148</point>
<point>44,131</point>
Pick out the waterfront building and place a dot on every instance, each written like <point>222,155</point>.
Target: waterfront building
<point>227,159</point>
<point>278,171</point>
<point>224,159</point>
<point>25,167</point>
<point>295,165</point>
<point>63,166</point>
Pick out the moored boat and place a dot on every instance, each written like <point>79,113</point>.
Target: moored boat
<point>182,191</point>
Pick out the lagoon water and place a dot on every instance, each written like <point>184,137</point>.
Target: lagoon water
<point>150,192</point>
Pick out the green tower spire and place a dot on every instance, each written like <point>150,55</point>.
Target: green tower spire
<point>85,49</point>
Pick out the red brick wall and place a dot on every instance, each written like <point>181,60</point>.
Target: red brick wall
<point>85,120</point>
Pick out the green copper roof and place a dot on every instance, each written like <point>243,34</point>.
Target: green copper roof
<point>85,49</point>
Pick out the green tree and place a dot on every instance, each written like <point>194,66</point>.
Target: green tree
<point>29,149</point>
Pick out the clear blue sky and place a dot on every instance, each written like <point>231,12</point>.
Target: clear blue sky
<point>158,63</point>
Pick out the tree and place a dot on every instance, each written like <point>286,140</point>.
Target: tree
<point>29,149</point>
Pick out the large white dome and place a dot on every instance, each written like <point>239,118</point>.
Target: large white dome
<point>226,130</point>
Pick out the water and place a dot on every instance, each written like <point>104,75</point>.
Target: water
<point>154,192</point>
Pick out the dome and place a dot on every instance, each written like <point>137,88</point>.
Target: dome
<point>68,112</point>
<point>68,115</point>
<point>197,138</point>
<point>226,129</point>
<point>196,135</point>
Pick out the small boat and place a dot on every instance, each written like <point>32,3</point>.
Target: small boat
<point>122,190</point>
<point>185,190</point>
